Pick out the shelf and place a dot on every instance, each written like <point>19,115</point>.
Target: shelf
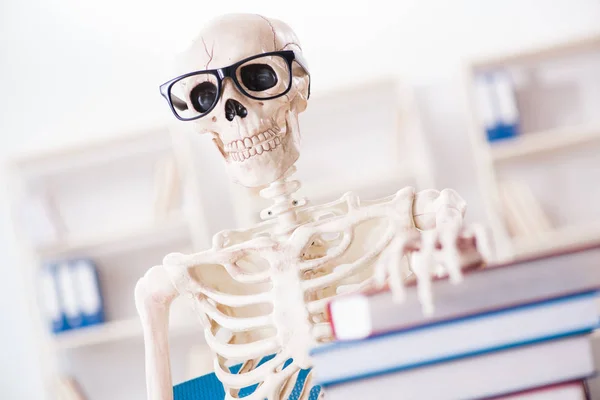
<point>549,141</point>
<point>91,153</point>
<point>114,331</point>
<point>558,239</point>
<point>118,241</point>
<point>540,54</point>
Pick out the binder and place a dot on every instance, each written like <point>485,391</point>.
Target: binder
<point>87,287</point>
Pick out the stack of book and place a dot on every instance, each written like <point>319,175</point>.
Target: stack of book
<point>520,330</point>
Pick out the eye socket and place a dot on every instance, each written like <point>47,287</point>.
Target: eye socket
<point>203,96</point>
<point>258,77</point>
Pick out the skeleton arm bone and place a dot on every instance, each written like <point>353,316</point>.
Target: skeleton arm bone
<point>440,216</point>
<point>442,242</point>
<point>154,294</point>
<point>443,213</point>
<point>432,208</point>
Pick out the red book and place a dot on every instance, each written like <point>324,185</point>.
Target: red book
<point>563,391</point>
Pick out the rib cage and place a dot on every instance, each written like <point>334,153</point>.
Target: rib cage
<point>290,294</point>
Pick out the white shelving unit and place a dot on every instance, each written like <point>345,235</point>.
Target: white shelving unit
<point>551,146</point>
<point>341,131</point>
<point>102,194</point>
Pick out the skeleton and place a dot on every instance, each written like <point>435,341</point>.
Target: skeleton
<point>263,291</point>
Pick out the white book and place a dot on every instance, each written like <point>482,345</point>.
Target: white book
<point>508,112</point>
<point>484,98</point>
<point>465,337</point>
<point>87,287</point>
<point>492,374</point>
<point>49,299</point>
<point>523,211</point>
<point>68,295</point>
<point>68,389</point>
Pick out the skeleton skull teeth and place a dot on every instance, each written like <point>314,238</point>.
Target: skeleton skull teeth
<point>243,149</point>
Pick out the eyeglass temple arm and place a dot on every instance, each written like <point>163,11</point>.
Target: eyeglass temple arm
<point>300,60</point>
<point>178,103</point>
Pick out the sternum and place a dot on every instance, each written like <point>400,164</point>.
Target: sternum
<point>289,312</point>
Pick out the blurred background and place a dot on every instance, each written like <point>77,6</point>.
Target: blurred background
<point>498,100</point>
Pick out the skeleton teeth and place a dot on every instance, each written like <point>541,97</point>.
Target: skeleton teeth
<point>242,149</point>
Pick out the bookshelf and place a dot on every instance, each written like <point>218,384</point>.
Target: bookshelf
<point>96,198</point>
<point>555,91</point>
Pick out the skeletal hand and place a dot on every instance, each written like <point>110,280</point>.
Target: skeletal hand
<point>446,249</point>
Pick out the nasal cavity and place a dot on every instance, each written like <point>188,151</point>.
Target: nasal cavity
<point>233,108</point>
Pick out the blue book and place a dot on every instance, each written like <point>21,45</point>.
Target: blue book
<point>67,293</point>
<point>497,106</point>
<point>458,338</point>
<point>506,104</point>
<point>486,375</point>
<point>87,286</point>
<point>50,300</point>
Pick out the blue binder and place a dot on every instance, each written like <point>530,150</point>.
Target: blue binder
<point>50,299</point>
<point>89,296</point>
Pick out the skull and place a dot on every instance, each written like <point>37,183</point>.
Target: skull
<point>257,137</point>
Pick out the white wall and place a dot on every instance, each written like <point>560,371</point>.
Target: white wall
<point>72,69</point>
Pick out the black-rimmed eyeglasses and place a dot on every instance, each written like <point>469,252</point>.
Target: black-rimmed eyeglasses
<point>262,77</point>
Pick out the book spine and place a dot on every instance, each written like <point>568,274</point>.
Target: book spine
<point>50,300</point>
<point>89,296</point>
<point>484,98</point>
<point>508,113</point>
<point>68,295</point>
